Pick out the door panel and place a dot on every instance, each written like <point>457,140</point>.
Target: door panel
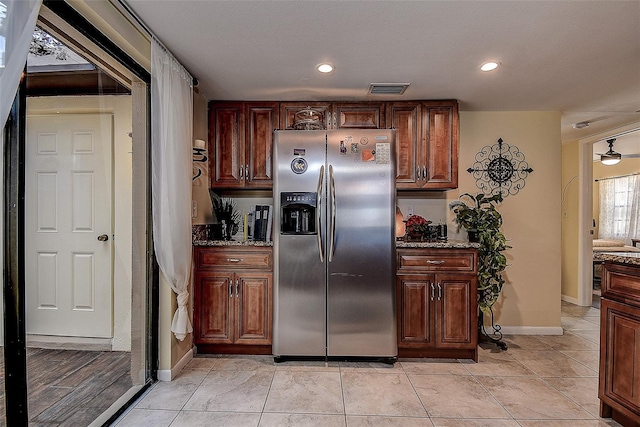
<point>415,307</point>
<point>454,295</point>
<point>254,317</point>
<point>68,205</point>
<point>215,307</point>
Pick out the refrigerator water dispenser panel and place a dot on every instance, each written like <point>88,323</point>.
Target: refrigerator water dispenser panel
<point>298,212</point>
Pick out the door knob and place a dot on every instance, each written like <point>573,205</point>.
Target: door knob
<point>103,237</point>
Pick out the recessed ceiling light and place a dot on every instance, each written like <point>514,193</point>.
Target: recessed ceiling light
<point>325,68</point>
<point>581,125</point>
<point>489,66</point>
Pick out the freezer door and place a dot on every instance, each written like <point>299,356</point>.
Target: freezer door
<point>361,243</point>
<point>299,327</point>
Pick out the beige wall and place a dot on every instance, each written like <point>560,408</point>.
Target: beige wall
<point>570,229</point>
<point>530,300</point>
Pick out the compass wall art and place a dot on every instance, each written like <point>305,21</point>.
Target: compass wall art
<point>500,169</point>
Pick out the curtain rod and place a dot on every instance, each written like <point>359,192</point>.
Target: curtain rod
<point>619,176</point>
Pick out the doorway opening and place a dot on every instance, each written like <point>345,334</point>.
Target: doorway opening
<point>88,306</point>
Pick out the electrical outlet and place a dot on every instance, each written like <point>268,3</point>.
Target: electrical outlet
<point>409,210</point>
<point>194,209</point>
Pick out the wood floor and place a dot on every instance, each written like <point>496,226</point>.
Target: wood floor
<point>71,387</point>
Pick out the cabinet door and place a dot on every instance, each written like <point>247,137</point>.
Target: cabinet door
<point>214,314</point>
<point>441,147</point>
<point>226,152</point>
<point>261,120</point>
<point>619,356</point>
<point>254,316</point>
<point>289,109</point>
<point>405,118</point>
<point>414,294</point>
<point>456,312</point>
<point>362,115</point>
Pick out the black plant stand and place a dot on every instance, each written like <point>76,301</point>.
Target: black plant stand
<point>495,337</point>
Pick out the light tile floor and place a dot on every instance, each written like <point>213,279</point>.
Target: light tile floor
<point>540,381</point>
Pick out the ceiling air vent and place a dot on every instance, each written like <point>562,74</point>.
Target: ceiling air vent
<point>388,88</point>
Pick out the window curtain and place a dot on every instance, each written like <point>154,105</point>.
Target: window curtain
<point>171,169</point>
<point>17,22</point>
<point>620,208</point>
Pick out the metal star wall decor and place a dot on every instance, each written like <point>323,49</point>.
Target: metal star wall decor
<point>500,168</point>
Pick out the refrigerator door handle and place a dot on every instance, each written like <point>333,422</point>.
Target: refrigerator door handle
<point>319,214</point>
<point>332,208</point>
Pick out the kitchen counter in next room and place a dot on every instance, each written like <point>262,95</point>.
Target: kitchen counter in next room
<point>631,258</point>
<point>619,337</point>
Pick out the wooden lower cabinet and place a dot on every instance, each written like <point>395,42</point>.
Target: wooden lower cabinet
<point>619,386</point>
<point>437,309</point>
<point>233,300</point>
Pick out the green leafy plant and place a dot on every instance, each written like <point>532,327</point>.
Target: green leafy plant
<point>478,214</point>
<point>225,212</point>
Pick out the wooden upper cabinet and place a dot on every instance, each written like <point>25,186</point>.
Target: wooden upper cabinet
<point>427,138</point>
<point>358,115</point>
<point>226,144</point>
<point>426,144</point>
<point>405,118</point>
<point>261,120</point>
<point>241,143</point>
<point>440,154</point>
<point>288,111</point>
<point>340,115</point>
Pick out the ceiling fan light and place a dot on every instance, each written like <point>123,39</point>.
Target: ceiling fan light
<point>610,159</point>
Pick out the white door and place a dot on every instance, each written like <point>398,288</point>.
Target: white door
<point>68,216</point>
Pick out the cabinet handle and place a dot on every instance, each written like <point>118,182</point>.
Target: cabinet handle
<point>234,259</point>
<point>424,173</point>
<point>246,171</point>
<point>231,289</point>
<point>241,172</point>
<point>237,281</point>
<point>433,292</point>
<point>430,261</point>
<point>418,173</point>
<point>439,292</point>
<point>335,120</point>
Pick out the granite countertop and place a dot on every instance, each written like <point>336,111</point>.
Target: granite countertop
<point>231,243</point>
<point>450,244</point>
<point>631,258</point>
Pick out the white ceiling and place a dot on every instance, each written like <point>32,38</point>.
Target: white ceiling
<point>578,57</point>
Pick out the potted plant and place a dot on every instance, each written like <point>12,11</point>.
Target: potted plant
<point>478,214</point>
<point>227,216</point>
<point>417,226</point>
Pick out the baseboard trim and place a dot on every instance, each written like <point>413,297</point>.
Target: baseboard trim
<point>170,374</point>
<point>572,300</point>
<point>530,330</point>
<point>56,342</point>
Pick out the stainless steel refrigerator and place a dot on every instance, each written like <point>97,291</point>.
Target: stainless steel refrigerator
<point>334,244</point>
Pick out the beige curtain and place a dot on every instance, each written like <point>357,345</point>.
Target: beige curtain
<point>171,141</point>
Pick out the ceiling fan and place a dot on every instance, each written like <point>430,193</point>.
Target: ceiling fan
<point>611,157</point>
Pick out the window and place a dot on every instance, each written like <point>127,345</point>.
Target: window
<point>620,208</point>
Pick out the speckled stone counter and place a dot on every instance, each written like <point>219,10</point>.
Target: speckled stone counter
<point>450,244</point>
<point>631,258</point>
<point>230,243</point>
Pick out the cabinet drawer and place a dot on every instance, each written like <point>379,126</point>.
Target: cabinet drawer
<point>426,260</point>
<point>230,258</point>
<point>621,282</point>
